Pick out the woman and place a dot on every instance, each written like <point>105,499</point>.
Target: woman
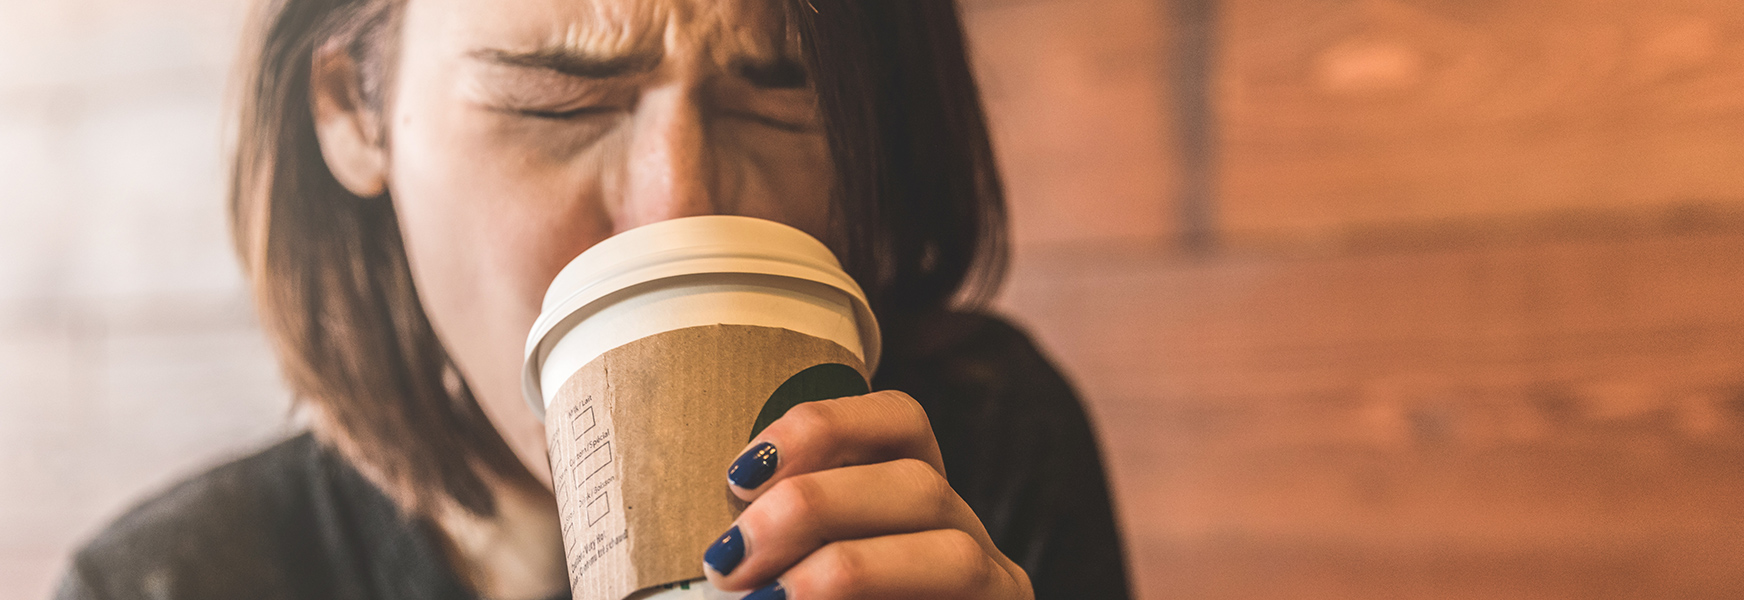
<point>411,174</point>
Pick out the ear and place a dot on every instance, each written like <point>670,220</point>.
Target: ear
<point>348,128</point>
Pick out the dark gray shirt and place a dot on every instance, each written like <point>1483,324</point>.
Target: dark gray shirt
<point>297,522</point>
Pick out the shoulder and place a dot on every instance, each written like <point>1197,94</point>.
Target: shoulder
<point>219,534</point>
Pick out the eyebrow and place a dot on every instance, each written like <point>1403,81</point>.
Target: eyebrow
<point>573,62</point>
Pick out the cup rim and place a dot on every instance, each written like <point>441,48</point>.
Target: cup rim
<point>678,248</point>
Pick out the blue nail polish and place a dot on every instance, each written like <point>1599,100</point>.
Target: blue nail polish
<point>754,466</point>
<point>724,555</point>
<point>772,591</point>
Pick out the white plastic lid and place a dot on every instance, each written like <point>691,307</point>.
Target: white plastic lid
<point>682,248</point>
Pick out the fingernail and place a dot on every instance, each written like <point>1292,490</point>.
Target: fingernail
<point>772,591</point>
<point>754,466</point>
<point>724,555</point>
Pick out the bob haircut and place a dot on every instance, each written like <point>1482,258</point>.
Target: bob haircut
<point>917,191</point>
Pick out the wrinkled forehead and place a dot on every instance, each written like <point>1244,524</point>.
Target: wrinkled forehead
<point>723,30</point>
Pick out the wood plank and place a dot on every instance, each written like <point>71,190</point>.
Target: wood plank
<point>1341,113</point>
<point>1075,91</point>
<point>1516,418</point>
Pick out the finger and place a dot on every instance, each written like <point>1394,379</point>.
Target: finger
<point>800,514</point>
<point>859,430</point>
<point>942,563</point>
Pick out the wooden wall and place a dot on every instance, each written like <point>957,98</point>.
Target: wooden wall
<point>1370,298</point>
<point>1465,316</point>
<point>1338,113</point>
<point>1081,114</point>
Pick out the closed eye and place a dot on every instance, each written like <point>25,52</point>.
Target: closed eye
<point>772,122</point>
<point>574,113</point>
<point>779,74</point>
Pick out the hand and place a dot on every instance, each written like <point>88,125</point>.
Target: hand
<point>849,501</point>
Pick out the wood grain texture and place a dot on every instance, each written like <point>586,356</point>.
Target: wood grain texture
<point>1559,418</point>
<point>1507,363</point>
<point>1338,113</point>
<point>1075,90</point>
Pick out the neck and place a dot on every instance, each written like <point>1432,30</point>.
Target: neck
<point>515,555</point>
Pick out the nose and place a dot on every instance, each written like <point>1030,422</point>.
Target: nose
<point>670,170</point>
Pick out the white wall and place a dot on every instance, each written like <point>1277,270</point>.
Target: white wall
<point>128,352</point>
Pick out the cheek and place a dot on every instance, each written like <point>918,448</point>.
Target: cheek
<point>494,209</point>
<point>490,213</point>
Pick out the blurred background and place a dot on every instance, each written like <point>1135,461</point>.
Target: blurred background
<point>1369,298</point>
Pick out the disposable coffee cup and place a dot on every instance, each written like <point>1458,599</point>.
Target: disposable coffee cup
<point>658,354</point>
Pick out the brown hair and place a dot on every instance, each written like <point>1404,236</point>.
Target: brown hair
<point>917,187</point>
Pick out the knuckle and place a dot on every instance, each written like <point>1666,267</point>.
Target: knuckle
<point>811,419</point>
<point>841,568</point>
<point>959,548</point>
<point>895,397</point>
<point>932,489</point>
<point>788,512</point>
<point>915,469</point>
<point>1020,577</point>
<point>910,416</point>
<point>969,560</point>
<point>798,499</point>
<point>781,499</point>
<point>903,404</point>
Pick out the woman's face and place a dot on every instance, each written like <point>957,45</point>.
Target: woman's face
<point>521,132</point>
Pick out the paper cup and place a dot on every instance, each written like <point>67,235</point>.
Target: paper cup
<point>657,356</point>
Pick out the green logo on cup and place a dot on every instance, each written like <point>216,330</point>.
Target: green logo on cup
<point>822,382</point>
